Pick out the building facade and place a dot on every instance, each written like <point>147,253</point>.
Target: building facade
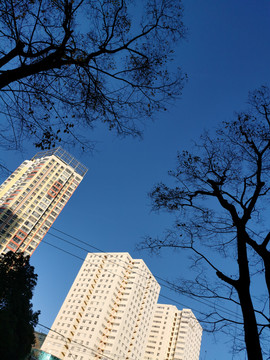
<point>174,335</point>
<point>111,312</point>
<point>107,312</point>
<point>39,339</point>
<point>33,196</point>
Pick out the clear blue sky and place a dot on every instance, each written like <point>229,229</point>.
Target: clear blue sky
<point>226,54</point>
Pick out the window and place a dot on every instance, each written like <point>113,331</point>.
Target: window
<point>12,246</point>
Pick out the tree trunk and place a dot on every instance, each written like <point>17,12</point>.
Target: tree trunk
<point>252,339</point>
<point>267,276</point>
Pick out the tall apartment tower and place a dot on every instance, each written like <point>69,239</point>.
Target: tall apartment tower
<point>33,196</point>
<point>174,335</point>
<point>107,312</point>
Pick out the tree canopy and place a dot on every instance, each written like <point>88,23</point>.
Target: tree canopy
<point>220,198</point>
<point>17,318</point>
<point>66,64</point>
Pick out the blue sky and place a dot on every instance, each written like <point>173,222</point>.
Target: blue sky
<point>226,54</point>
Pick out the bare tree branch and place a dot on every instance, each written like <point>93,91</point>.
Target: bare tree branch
<point>219,198</point>
<point>117,64</point>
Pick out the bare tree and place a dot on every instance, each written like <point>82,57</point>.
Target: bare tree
<point>221,199</point>
<point>65,64</point>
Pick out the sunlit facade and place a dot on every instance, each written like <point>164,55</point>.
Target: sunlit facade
<point>174,335</point>
<point>33,196</point>
<point>107,312</point>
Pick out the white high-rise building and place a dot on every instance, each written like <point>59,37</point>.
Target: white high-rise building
<point>108,311</point>
<point>174,335</point>
<point>34,195</point>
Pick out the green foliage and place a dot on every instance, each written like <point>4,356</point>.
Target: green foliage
<point>17,319</point>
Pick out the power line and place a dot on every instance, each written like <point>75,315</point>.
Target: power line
<point>163,296</point>
<point>77,343</point>
<point>170,286</point>
<point>167,284</point>
<point>87,347</point>
<point>84,346</point>
<point>132,282</point>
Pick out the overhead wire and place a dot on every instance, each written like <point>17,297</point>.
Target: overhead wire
<point>93,351</point>
<point>77,343</point>
<point>165,284</point>
<point>80,258</point>
<point>140,285</point>
<point>162,296</point>
<point>222,308</point>
<point>85,346</point>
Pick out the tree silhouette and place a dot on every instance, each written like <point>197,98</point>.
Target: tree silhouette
<point>67,64</point>
<point>221,199</point>
<point>17,319</point>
